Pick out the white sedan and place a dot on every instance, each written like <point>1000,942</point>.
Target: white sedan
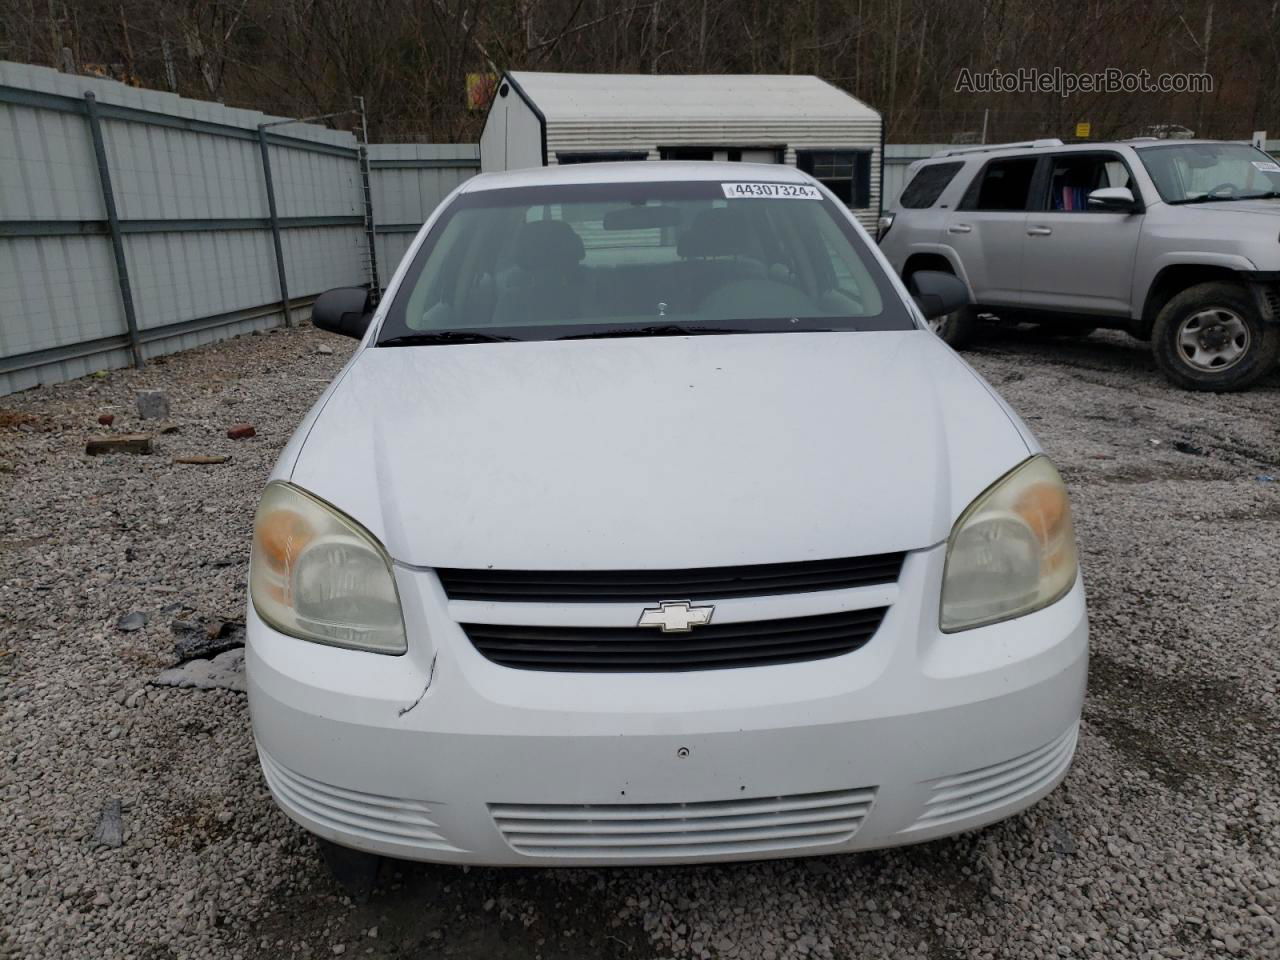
<point>650,524</point>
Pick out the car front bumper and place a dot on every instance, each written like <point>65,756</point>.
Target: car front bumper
<point>441,755</point>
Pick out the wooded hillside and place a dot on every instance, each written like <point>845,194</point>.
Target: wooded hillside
<point>410,58</point>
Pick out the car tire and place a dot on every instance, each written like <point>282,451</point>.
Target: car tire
<point>957,328</point>
<point>355,871</point>
<point>1210,337</point>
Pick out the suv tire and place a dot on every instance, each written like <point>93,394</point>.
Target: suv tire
<point>1210,337</point>
<point>956,328</point>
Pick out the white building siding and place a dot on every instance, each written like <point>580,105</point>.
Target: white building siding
<point>585,134</point>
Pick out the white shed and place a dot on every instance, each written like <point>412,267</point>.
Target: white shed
<point>538,119</point>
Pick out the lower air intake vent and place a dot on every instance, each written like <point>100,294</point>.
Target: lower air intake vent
<point>384,819</point>
<point>989,788</point>
<point>643,650</point>
<point>655,831</point>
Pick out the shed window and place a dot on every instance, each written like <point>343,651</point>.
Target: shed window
<point>928,183</point>
<point>600,156</point>
<point>846,173</point>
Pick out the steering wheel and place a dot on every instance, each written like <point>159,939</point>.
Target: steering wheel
<point>1230,189</point>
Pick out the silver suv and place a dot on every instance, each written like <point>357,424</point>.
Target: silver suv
<point>1177,242</point>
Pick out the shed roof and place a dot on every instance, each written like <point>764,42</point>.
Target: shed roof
<point>631,96</point>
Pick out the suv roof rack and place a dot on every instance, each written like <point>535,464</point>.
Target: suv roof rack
<point>988,147</point>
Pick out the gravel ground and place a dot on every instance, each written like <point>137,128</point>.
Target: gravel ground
<point>1163,841</point>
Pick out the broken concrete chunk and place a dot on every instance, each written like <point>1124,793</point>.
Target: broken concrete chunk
<point>124,443</point>
<point>201,639</point>
<point>223,672</point>
<point>132,621</point>
<point>324,350</point>
<point>196,458</point>
<point>241,431</point>
<point>152,405</point>
<point>110,829</point>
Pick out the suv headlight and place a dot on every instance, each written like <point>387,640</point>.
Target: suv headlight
<point>1012,551</point>
<point>318,575</point>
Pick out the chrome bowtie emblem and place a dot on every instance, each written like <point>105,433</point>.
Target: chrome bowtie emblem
<point>676,616</point>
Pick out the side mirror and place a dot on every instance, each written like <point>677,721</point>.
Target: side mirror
<point>344,311</point>
<point>1112,200</point>
<point>937,293</point>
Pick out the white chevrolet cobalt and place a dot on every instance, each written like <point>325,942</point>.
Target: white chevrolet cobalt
<point>649,523</point>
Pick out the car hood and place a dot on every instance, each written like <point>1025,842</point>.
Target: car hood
<point>658,452</point>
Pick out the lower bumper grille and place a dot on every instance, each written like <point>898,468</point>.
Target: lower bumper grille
<point>989,788</point>
<point>641,650</point>
<point>383,819</point>
<point>661,830</point>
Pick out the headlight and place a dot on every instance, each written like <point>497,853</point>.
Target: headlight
<point>318,575</point>
<point>1012,551</point>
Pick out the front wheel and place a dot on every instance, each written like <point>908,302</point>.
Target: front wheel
<point>956,328</point>
<point>1210,337</point>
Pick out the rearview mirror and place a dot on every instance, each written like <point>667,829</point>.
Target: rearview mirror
<point>346,311</point>
<point>937,293</point>
<point>1112,199</point>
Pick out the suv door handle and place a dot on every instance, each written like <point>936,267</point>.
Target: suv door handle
<point>959,228</point>
<point>1038,231</point>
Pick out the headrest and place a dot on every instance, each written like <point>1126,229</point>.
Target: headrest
<point>548,245</point>
<point>718,232</point>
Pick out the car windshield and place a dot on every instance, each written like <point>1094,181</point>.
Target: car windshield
<point>1200,172</point>
<point>640,259</point>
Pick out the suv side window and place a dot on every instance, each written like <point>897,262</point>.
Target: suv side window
<point>1074,176</point>
<point>927,185</point>
<point>1003,185</point>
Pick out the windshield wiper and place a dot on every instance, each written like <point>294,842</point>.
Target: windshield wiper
<point>1269,195</point>
<point>1206,198</point>
<point>445,336</point>
<point>658,330</point>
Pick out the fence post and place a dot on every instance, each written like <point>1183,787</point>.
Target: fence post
<point>113,222</point>
<point>275,225</point>
<point>370,230</point>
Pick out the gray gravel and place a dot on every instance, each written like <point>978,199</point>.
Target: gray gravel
<point>1163,842</point>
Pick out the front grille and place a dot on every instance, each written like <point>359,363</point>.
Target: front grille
<point>757,643</point>
<point>655,831</point>
<point>699,583</point>
<point>986,789</point>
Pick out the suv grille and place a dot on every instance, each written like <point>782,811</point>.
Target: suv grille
<point>646,586</point>
<point>756,643</point>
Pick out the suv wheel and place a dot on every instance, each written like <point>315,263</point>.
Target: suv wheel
<point>1210,337</point>
<point>955,328</point>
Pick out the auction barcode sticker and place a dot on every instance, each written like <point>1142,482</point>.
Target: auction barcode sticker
<point>782,191</point>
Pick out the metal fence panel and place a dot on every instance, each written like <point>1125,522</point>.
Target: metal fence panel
<point>408,181</point>
<point>188,187</point>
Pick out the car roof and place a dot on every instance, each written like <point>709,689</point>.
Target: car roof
<point>638,171</point>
